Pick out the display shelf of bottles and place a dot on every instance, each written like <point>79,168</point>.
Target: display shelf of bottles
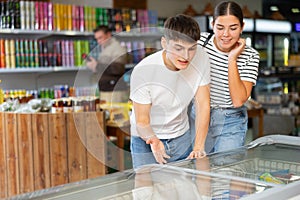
<point>40,15</point>
<point>41,55</point>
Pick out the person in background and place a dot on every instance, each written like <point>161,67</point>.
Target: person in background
<point>161,88</point>
<point>110,66</point>
<point>234,70</point>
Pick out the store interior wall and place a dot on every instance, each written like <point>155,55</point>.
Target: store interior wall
<point>169,8</point>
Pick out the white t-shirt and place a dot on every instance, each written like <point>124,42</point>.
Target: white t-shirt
<point>169,92</point>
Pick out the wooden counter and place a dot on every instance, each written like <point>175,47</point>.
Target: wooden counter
<point>43,150</point>
<point>259,112</point>
<point>120,132</point>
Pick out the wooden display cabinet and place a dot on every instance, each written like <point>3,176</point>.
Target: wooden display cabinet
<point>43,150</point>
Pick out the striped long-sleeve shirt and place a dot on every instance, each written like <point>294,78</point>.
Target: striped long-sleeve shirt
<point>248,62</point>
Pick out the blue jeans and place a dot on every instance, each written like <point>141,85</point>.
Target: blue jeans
<point>227,128</point>
<point>177,148</point>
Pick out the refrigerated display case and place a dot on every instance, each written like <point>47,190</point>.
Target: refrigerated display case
<point>269,92</point>
<point>267,168</point>
<point>263,44</point>
<point>271,40</point>
<point>278,93</point>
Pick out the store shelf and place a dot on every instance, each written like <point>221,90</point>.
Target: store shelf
<point>138,34</point>
<point>281,72</point>
<point>134,33</point>
<point>45,76</point>
<point>151,32</point>
<point>44,32</point>
<point>40,70</point>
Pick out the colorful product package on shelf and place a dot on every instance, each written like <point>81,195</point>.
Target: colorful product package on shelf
<point>270,179</point>
<point>285,175</point>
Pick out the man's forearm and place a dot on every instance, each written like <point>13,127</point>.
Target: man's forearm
<point>201,126</point>
<point>145,131</point>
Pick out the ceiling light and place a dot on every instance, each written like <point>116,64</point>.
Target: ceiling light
<point>274,8</point>
<point>295,10</point>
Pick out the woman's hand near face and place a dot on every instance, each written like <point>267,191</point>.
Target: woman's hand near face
<point>239,90</point>
<point>237,50</point>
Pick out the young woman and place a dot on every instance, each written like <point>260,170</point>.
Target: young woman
<point>234,70</point>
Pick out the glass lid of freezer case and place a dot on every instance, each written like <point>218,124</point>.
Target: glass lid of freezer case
<point>161,182</point>
<point>266,167</point>
<point>272,159</point>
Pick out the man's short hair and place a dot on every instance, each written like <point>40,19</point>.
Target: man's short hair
<point>181,27</point>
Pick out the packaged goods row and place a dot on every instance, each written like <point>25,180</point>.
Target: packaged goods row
<point>43,53</point>
<point>55,92</point>
<point>26,53</point>
<point>60,98</point>
<point>60,105</point>
<point>38,15</point>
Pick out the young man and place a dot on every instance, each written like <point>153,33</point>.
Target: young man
<point>110,66</point>
<point>161,89</point>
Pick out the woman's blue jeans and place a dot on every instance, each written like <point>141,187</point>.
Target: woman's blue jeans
<point>227,128</point>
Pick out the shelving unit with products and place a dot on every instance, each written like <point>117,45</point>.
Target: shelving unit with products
<point>32,59</point>
<point>295,47</point>
<point>278,90</point>
<point>45,52</point>
<point>271,38</point>
<point>283,115</point>
<point>261,45</point>
<point>46,43</point>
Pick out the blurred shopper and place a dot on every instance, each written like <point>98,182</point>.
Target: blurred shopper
<point>234,70</point>
<point>110,66</point>
<point>161,88</point>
